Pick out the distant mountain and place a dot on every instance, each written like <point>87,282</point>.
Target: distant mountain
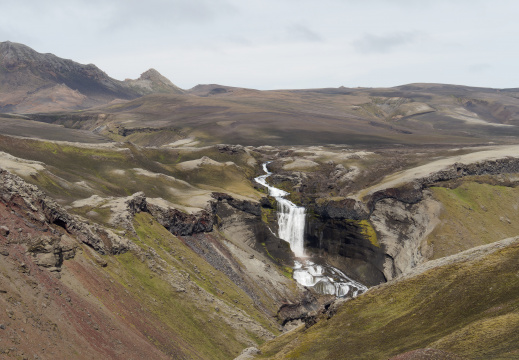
<point>152,82</point>
<point>205,90</point>
<point>35,82</point>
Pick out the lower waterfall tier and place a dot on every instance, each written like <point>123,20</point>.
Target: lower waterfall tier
<point>326,279</point>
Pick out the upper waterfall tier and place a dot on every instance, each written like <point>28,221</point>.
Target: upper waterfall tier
<point>291,218</point>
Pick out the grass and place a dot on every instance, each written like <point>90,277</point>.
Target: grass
<point>469,309</point>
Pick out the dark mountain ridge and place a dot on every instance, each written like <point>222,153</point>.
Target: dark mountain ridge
<point>26,77</point>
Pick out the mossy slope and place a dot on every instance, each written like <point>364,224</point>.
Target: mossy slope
<point>474,213</point>
<point>185,306</point>
<point>469,309</point>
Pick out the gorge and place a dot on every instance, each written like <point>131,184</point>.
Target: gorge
<point>324,278</point>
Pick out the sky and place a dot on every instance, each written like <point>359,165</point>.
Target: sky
<point>279,44</point>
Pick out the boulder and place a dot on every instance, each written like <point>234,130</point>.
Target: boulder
<point>48,260</point>
<point>4,231</point>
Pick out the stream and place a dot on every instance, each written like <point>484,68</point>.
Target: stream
<point>324,278</point>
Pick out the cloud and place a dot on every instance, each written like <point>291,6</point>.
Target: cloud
<point>161,15</point>
<point>303,33</point>
<point>372,44</point>
<point>478,68</point>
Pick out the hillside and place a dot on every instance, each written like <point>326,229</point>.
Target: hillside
<point>151,110</point>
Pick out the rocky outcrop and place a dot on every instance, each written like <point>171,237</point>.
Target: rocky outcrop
<point>407,194</point>
<point>50,251</point>
<point>247,206</point>
<point>307,310</point>
<point>28,202</point>
<point>248,354</point>
<point>230,149</point>
<point>342,209</point>
<point>343,244</point>
<point>411,192</point>
<point>402,216</point>
<point>508,165</point>
<point>180,223</point>
<point>176,221</point>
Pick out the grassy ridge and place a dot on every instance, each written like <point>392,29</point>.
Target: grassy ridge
<point>469,309</point>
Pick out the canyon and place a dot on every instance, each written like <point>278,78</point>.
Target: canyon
<point>139,220</point>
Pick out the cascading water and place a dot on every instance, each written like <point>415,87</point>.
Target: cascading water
<point>291,218</point>
<point>325,279</point>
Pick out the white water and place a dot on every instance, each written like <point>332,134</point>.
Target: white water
<point>325,279</point>
<point>291,218</point>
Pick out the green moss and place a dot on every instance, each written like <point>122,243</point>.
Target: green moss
<point>287,272</point>
<point>267,215</point>
<point>369,232</point>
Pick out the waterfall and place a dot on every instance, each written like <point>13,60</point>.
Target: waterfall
<point>291,221</point>
<point>325,279</point>
<point>291,218</point>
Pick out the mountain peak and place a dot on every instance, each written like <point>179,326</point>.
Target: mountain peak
<point>151,81</point>
<point>155,76</point>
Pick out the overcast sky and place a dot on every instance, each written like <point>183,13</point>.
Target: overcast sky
<point>279,44</point>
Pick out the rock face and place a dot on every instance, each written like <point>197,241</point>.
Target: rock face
<point>401,229</point>
<point>51,251</point>
<point>176,221</point>
<point>342,244</point>
<point>342,209</point>
<point>243,205</point>
<point>179,223</point>
<point>402,217</point>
